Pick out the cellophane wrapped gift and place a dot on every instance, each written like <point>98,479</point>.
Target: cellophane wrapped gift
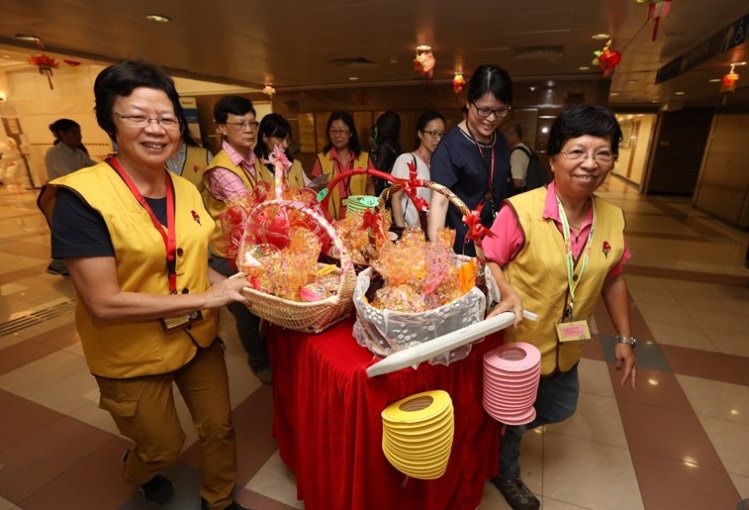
<point>384,331</point>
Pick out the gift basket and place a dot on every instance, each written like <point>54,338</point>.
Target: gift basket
<point>290,288</point>
<point>423,297</point>
<point>277,236</point>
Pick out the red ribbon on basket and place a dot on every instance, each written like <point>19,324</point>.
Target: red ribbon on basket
<point>410,185</point>
<point>476,230</point>
<point>371,221</point>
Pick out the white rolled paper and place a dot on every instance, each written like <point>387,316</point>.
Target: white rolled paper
<point>446,343</point>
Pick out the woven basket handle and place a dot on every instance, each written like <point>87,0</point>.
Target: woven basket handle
<point>347,264</point>
<point>451,197</point>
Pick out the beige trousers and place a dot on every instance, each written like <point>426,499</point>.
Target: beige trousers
<point>144,411</point>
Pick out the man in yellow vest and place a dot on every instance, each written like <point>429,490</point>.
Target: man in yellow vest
<point>231,175</point>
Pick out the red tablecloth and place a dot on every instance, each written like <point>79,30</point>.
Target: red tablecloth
<point>327,422</point>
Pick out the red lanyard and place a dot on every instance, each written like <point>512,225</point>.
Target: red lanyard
<point>490,184</point>
<point>170,235</point>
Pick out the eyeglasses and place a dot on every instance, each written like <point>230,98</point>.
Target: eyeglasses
<point>252,124</point>
<point>336,132</point>
<point>435,134</point>
<point>499,113</point>
<point>142,120</point>
<point>600,156</point>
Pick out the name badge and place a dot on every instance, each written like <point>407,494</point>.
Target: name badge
<point>171,324</point>
<point>573,331</point>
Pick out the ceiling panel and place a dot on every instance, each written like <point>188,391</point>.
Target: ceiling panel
<point>292,42</point>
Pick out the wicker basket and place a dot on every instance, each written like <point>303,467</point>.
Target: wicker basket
<point>308,317</point>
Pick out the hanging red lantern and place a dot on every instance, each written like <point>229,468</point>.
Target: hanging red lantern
<point>424,62</point>
<point>459,83</point>
<point>658,9</point>
<point>607,60</point>
<point>728,83</point>
<point>45,63</point>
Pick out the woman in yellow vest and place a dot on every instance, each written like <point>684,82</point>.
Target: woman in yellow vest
<point>557,251</point>
<point>275,130</point>
<point>342,153</point>
<point>135,238</point>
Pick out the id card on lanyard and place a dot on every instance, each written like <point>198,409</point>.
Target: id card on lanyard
<point>169,236</point>
<point>569,329</point>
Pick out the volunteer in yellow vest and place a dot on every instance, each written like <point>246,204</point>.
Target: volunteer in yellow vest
<point>231,176</point>
<point>275,130</point>
<point>190,161</point>
<point>135,238</point>
<point>342,153</point>
<point>556,252</point>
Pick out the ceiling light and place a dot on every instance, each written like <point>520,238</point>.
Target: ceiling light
<point>679,93</point>
<point>614,94</point>
<point>158,18</point>
<point>532,88</point>
<point>742,63</point>
<point>714,80</point>
<point>653,382</point>
<point>423,47</point>
<point>631,81</point>
<point>353,78</point>
<point>28,38</point>
<point>584,68</point>
<point>544,130</point>
<point>602,36</point>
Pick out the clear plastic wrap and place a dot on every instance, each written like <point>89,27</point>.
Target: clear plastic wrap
<point>384,331</point>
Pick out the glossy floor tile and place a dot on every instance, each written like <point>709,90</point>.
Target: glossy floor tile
<point>679,441</point>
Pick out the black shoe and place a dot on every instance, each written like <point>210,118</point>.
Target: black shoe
<point>234,506</point>
<point>517,494</point>
<point>158,490</point>
<point>54,269</point>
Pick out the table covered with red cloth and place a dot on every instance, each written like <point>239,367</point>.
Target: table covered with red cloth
<point>326,419</point>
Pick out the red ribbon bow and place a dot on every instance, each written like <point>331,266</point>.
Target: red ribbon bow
<point>371,220</point>
<point>409,188</point>
<point>476,230</point>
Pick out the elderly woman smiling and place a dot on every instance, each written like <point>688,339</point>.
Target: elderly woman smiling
<point>556,252</point>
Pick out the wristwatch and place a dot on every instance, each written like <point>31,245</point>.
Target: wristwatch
<point>629,340</point>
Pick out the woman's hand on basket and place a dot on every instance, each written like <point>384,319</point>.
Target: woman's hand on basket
<point>228,290</point>
<point>511,302</point>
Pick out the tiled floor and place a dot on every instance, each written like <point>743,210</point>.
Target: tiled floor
<point>680,441</point>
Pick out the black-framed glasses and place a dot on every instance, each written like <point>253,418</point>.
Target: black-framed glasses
<point>435,134</point>
<point>166,122</point>
<point>499,113</point>
<point>252,124</point>
<point>599,156</point>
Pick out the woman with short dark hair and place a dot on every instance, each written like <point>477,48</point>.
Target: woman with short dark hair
<point>556,252</point>
<point>472,160</point>
<point>135,238</point>
<point>342,153</point>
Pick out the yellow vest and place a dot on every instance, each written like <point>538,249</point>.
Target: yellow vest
<point>196,161</point>
<point>357,184</point>
<point>220,242</point>
<point>125,349</point>
<point>295,175</point>
<point>539,275</point>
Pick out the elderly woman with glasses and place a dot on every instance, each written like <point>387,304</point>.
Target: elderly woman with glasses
<point>556,251</point>
<point>430,128</point>
<point>472,160</point>
<point>231,176</point>
<point>342,153</point>
<point>135,238</point>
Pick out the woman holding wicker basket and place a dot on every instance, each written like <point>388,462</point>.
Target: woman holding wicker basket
<point>557,251</point>
<point>135,239</point>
